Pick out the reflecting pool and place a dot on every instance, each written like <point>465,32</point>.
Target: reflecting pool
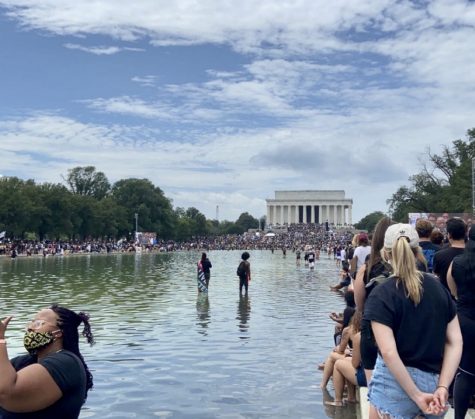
<point>164,351</point>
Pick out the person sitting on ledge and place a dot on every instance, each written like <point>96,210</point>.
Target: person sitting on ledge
<point>345,278</point>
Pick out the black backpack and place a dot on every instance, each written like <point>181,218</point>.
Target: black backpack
<point>380,279</point>
<point>241,271</point>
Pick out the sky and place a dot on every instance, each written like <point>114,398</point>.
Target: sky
<point>220,103</point>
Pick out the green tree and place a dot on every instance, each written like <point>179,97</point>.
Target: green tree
<point>246,221</point>
<point>87,181</point>
<point>443,185</point>
<point>17,205</point>
<point>155,213</point>
<point>369,222</point>
<point>228,227</point>
<point>197,221</point>
<point>53,218</point>
<point>111,218</point>
<point>84,217</point>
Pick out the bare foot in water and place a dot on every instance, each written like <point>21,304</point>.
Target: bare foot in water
<point>337,403</point>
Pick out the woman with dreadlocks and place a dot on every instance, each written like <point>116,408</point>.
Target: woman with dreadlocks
<point>52,380</point>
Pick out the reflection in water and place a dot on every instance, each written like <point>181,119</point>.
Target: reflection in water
<point>244,314</point>
<point>202,312</point>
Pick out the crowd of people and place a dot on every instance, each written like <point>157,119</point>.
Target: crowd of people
<point>293,237</point>
<point>407,331</point>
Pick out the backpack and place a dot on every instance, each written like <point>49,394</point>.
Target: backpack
<point>240,271</point>
<point>380,279</point>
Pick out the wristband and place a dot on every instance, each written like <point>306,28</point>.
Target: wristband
<point>4,341</point>
<point>443,387</point>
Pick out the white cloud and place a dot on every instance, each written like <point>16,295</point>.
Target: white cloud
<point>246,23</point>
<point>101,50</point>
<point>234,170</point>
<point>130,106</point>
<point>346,95</point>
<point>148,81</point>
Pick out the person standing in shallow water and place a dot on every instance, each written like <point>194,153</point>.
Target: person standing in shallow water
<point>205,262</point>
<point>203,273</point>
<point>53,380</point>
<point>244,270</point>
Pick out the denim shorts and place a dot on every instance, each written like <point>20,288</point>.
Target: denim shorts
<point>388,397</point>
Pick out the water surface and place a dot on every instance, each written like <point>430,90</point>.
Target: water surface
<point>164,351</point>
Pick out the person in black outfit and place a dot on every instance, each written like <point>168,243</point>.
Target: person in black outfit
<point>456,231</point>
<point>416,328</point>
<point>206,265</point>
<point>461,281</point>
<point>244,270</point>
<point>53,380</point>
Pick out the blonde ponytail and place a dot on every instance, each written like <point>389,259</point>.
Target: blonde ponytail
<point>405,269</point>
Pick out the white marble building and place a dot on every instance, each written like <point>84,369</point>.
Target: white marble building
<point>297,207</point>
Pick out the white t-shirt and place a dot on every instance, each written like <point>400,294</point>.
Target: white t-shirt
<point>361,252</point>
<point>343,254</point>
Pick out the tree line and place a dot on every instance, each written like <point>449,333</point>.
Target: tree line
<point>444,184</point>
<point>88,206</point>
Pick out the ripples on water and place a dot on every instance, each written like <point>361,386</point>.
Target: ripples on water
<point>164,351</point>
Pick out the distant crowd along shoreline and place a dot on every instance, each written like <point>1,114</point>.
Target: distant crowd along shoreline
<point>294,237</point>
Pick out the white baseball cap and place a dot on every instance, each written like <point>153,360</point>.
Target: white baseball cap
<point>395,231</point>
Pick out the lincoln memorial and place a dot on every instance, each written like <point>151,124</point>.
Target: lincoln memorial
<point>297,207</point>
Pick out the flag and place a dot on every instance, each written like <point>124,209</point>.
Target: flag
<point>2,234</point>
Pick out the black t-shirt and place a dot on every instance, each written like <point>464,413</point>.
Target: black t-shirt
<point>206,265</point>
<point>68,372</point>
<point>465,280</point>
<point>429,249</point>
<point>419,330</point>
<point>442,260</point>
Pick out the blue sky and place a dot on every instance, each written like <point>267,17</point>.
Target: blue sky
<point>222,103</point>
